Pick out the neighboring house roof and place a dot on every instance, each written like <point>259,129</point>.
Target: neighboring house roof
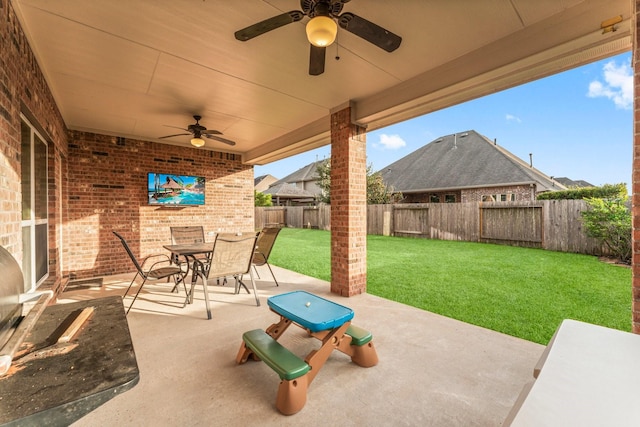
<point>463,160</point>
<point>263,182</point>
<point>286,190</point>
<point>304,174</point>
<point>571,183</point>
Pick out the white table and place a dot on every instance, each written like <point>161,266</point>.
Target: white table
<point>588,376</point>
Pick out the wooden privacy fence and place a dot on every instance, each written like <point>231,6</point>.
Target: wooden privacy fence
<point>548,224</point>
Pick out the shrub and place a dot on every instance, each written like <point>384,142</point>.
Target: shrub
<point>609,220</point>
<point>607,191</point>
<point>262,199</point>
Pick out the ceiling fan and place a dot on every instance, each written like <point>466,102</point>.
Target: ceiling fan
<point>198,131</point>
<point>322,29</point>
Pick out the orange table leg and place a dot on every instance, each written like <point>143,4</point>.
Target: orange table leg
<point>292,395</point>
<point>278,329</point>
<point>330,341</point>
<point>362,355</point>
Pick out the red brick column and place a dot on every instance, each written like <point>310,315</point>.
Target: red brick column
<point>348,206</point>
<point>635,188</point>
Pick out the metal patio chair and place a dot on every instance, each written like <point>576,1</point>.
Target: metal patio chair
<point>264,245</point>
<point>156,270</point>
<point>232,258</point>
<point>190,234</point>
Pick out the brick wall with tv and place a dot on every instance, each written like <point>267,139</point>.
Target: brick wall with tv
<point>108,192</point>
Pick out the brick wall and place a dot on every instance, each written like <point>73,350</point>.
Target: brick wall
<point>348,206</point>
<point>97,183</point>
<point>635,179</point>
<point>108,192</point>
<point>522,193</point>
<point>23,89</point>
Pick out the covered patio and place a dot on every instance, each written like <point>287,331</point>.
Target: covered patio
<point>433,371</point>
<point>90,94</point>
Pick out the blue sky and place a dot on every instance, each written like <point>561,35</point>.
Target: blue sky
<point>577,124</point>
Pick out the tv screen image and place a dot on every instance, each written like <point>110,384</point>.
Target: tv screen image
<point>175,190</point>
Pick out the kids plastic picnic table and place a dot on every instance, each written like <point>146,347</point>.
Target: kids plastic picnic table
<point>321,318</point>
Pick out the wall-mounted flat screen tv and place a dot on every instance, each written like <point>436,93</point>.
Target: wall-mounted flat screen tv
<point>175,190</point>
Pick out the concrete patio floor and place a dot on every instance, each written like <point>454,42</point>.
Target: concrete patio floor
<point>433,371</point>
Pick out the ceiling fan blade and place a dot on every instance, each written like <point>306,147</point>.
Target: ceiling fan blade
<point>268,24</point>
<point>171,136</point>
<point>211,132</point>
<point>369,31</point>
<point>217,138</point>
<point>316,60</point>
<point>176,127</point>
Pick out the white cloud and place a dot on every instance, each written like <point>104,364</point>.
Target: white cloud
<point>390,142</point>
<point>512,118</point>
<point>617,85</point>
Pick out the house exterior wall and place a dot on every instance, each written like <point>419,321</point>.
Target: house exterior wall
<point>23,89</point>
<point>519,192</point>
<point>109,193</point>
<point>97,183</point>
<point>265,183</point>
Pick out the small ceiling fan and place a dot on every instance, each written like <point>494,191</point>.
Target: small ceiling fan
<point>198,131</point>
<point>322,29</point>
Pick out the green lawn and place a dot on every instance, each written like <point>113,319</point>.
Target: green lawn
<point>519,291</point>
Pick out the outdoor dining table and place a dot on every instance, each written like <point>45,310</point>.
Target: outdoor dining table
<point>190,252</point>
<point>321,318</point>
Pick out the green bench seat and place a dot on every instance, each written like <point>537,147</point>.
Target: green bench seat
<point>286,364</point>
<point>358,335</point>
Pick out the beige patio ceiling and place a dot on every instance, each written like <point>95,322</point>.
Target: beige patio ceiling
<point>131,67</point>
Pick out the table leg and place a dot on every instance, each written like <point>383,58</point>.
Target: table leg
<point>362,355</point>
<point>330,341</point>
<point>206,296</point>
<point>292,395</point>
<point>278,329</point>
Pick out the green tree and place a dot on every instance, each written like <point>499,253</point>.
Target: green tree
<point>377,191</point>
<point>262,199</point>
<point>609,220</point>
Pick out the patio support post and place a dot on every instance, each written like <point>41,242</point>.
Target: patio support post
<point>635,180</point>
<point>348,205</point>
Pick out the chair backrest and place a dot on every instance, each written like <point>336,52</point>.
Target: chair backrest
<point>131,255</point>
<point>266,240</point>
<point>186,235</point>
<point>232,256</point>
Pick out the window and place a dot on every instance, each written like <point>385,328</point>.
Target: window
<point>434,198</point>
<point>35,218</point>
<point>449,198</point>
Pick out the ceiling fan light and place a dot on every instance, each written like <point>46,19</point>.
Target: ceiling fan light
<point>197,142</point>
<point>321,31</point>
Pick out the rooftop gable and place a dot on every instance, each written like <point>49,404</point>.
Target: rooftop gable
<point>462,160</point>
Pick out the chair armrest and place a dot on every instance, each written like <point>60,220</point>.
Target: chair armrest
<point>164,260</point>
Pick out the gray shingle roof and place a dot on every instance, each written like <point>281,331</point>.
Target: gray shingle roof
<point>304,174</point>
<point>287,190</point>
<point>464,160</point>
<point>567,182</point>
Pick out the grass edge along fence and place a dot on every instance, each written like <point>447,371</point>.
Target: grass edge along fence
<point>522,292</point>
<point>554,225</point>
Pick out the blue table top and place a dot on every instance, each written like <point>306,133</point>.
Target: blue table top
<point>310,311</point>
